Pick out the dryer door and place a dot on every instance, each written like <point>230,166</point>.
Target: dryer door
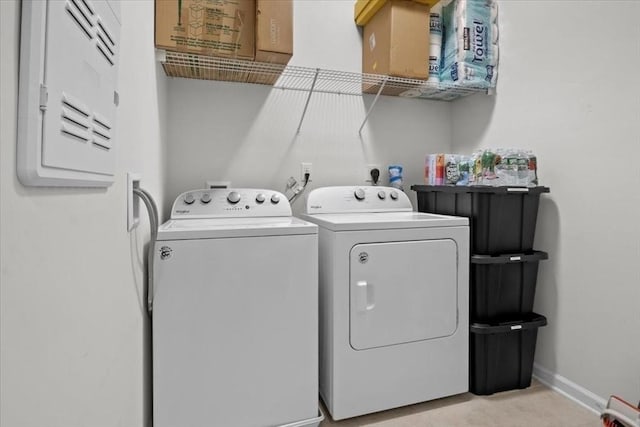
<point>402,292</point>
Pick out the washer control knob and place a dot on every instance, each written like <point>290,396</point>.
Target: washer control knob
<point>233,197</point>
<point>359,193</point>
<point>260,198</point>
<point>394,194</point>
<point>382,195</point>
<point>189,199</point>
<point>205,198</point>
<point>275,199</point>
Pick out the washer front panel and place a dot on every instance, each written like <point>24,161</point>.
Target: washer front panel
<point>235,326</point>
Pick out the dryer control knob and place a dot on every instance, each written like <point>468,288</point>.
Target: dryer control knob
<point>260,198</point>
<point>382,195</point>
<point>394,194</point>
<point>275,199</point>
<point>205,198</point>
<point>189,199</point>
<point>359,193</point>
<point>233,197</point>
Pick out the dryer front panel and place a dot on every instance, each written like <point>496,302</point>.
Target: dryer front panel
<point>401,292</point>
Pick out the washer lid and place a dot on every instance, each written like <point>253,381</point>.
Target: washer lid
<point>216,228</point>
<point>384,220</point>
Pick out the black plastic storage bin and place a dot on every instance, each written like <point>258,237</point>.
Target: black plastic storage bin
<point>503,286</point>
<point>501,354</point>
<point>502,219</point>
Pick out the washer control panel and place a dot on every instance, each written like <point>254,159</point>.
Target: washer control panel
<point>230,203</point>
<point>357,199</point>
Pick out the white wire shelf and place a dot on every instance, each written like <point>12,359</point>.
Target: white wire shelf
<point>177,64</point>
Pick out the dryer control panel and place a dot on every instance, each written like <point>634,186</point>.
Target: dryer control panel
<point>349,199</point>
<point>230,203</point>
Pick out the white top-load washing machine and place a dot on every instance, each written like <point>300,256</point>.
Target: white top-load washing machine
<point>393,300</point>
<point>235,317</point>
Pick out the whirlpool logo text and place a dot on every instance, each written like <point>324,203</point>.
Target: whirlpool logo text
<point>165,252</point>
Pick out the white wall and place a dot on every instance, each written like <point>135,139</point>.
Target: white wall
<point>247,133</point>
<point>567,89</point>
<point>73,325</point>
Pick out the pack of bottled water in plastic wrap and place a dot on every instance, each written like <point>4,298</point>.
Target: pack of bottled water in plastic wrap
<point>492,167</point>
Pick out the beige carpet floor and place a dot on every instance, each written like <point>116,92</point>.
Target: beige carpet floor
<point>536,406</point>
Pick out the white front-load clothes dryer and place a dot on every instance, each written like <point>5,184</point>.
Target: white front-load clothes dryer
<point>235,317</point>
<point>393,300</point>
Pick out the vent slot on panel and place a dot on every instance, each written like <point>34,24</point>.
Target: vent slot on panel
<point>106,32</point>
<point>87,13</point>
<point>76,120</point>
<point>101,145</point>
<point>75,104</point>
<point>105,43</point>
<point>70,117</point>
<point>101,132</point>
<point>81,16</point>
<point>75,133</point>
<point>102,139</point>
<point>104,54</point>
<point>89,7</point>
<point>102,121</point>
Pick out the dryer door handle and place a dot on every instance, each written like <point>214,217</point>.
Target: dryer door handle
<point>364,296</point>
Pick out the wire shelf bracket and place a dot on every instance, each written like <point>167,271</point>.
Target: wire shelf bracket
<point>373,104</point>
<point>306,104</point>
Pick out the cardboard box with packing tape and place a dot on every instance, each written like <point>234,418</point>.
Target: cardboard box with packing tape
<point>396,43</point>
<point>247,30</point>
<point>274,38</point>
<point>222,28</point>
<point>211,28</point>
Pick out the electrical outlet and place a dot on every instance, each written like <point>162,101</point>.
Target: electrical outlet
<point>368,178</point>
<point>133,201</point>
<point>305,168</point>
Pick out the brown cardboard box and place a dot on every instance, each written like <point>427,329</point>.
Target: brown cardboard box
<point>274,31</point>
<point>396,42</point>
<point>223,28</point>
<point>274,38</point>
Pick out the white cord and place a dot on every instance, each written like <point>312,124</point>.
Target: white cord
<point>299,190</point>
<point>152,211</point>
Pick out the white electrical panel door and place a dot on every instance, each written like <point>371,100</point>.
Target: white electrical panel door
<point>68,92</point>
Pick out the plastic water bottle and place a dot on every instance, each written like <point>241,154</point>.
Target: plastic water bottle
<point>533,169</point>
<point>395,177</point>
<point>523,168</point>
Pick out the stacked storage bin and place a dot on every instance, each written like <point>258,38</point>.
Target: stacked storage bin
<point>504,270</point>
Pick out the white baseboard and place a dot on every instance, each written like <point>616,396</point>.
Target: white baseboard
<point>569,389</point>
